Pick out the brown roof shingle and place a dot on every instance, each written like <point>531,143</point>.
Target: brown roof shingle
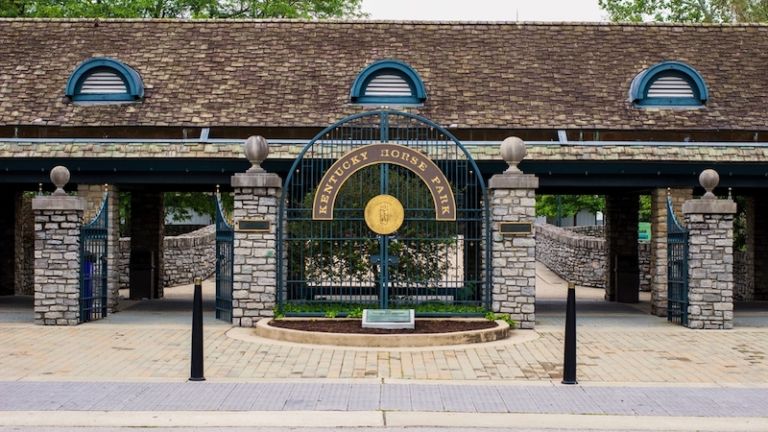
<point>296,73</point>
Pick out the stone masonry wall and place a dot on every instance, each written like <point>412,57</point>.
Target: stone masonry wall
<point>580,258</point>
<point>575,257</point>
<point>514,257</point>
<point>25,246</point>
<point>589,230</point>
<point>743,285</point>
<point>701,152</point>
<point>758,228</point>
<point>7,242</point>
<point>255,267</point>
<point>710,270</point>
<point>186,257</point>
<point>57,267</point>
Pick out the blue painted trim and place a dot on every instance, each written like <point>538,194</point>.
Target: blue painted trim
<point>638,91</point>
<point>395,67</point>
<point>130,77</point>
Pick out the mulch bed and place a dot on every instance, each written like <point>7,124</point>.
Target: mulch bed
<point>355,326</point>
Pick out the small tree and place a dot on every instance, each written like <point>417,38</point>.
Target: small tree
<point>340,250</point>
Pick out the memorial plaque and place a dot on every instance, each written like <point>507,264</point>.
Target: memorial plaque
<point>515,228</point>
<point>250,225</point>
<point>389,318</point>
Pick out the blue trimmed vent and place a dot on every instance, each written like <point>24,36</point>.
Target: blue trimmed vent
<point>388,82</point>
<point>104,80</point>
<point>670,84</point>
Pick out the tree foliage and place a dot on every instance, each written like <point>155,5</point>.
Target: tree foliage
<point>340,251</point>
<point>687,11</point>
<point>307,9</point>
<point>569,205</point>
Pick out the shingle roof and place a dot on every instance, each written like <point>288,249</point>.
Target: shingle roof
<point>298,73</point>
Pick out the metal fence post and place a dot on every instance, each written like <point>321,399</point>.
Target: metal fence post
<point>196,373</point>
<point>569,361</point>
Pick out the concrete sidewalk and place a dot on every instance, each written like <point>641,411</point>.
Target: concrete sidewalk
<point>369,404</point>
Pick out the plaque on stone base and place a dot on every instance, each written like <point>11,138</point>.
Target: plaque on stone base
<point>389,318</point>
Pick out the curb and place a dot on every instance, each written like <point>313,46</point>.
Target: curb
<point>284,419</point>
<point>263,329</point>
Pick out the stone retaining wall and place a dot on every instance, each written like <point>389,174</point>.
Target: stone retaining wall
<point>578,254</point>
<point>185,257</point>
<point>589,230</point>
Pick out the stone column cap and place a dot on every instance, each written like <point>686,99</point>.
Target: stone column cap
<point>51,202</point>
<point>256,180</point>
<point>514,181</point>
<point>709,206</point>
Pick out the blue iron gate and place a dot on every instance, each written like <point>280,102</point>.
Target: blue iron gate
<point>93,265</point>
<point>677,268</point>
<point>225,261</point>
<point>340,266</point>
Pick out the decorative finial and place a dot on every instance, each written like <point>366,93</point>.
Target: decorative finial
<point>256,150</point>
<point>106,188</point>
<point>730,193</point>
<point>669,192</point>
<point>59,177</point>
<point>709,180</point>
<point>217,189</point>
<point>39,188</point>
<point>513,151</point>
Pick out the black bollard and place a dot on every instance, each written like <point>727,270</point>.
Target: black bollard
<point>196,372</point>
<point>569,362</point>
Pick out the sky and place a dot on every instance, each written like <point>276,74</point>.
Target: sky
<point>485,10</point>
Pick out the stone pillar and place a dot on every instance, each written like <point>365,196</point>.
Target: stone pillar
<point>710,257</point>
<point>94,198</point>
<point>147,233</point>
<point>659,243</point>
<point>7,242</point>
<point>513,199</point>
<point>757,246</point>
<point>255,270</point>
<point>57,254</point>
<point>622,269</point>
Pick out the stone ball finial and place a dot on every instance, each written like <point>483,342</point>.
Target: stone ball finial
<point>59,177</point>
<point>256,150</point>
<point>513,151</point>
<point>709,180</point>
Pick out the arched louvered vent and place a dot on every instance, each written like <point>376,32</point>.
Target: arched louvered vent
<point>388,85</point>
<point>388,82</point>
<point>671,86</point>
<point>103,82</point>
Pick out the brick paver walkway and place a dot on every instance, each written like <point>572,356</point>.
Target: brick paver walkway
<point>616,343</point>
<point>106,352</point>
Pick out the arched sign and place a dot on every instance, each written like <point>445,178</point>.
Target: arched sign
<point>374,154</point>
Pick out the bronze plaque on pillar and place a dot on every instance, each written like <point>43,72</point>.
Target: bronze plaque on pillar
<point>252,225</point>
<point>515,228</point>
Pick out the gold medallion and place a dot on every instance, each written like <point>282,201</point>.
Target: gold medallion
<point>384,214</point>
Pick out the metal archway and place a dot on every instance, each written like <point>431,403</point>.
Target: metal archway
<point>339,266</point>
